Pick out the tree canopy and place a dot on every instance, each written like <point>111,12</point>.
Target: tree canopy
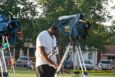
<point>94,10</point>
<point>25,11</point>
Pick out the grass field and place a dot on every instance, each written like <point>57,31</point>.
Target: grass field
<point>22,73</point>
<point>30,73</point>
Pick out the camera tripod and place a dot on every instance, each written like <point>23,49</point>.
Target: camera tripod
<point>76,50</point>
<point>4,71</point>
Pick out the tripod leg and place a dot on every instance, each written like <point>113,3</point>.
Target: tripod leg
<point>64,57</point>
<point>79,60</point>
<point>85,73</point>
<point>3,57</point>
<point>1,64</point>
<point>10,55</point>
<point>80,57</point>
<point>4,67</point>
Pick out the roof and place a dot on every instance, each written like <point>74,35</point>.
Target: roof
<point>110,50</point>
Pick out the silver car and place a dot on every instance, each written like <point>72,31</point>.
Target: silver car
<point>105,65</point>
<point>22,61</point>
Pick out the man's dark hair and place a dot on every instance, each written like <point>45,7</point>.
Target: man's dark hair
<point>54,27</point>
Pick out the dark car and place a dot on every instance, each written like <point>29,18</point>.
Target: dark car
<point>7,59</point>
<point>22,61</point>
<point>68,64</point>
<point>87,63</point>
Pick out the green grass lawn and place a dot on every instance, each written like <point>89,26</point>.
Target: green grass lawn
<point>22,73</point>
<point>29,73</point>
<point>90,75</point>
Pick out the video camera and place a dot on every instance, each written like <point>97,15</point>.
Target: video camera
<point>8,27</point>
<point>73,25</point>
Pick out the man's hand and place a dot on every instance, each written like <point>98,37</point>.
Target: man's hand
<point>55,66</point>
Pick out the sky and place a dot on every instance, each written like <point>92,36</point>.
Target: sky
<point>111,3</point>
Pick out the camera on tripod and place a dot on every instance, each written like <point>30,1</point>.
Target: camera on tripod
<point>74,25</point>
<point>8,27</point>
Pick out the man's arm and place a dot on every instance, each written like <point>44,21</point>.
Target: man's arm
<point>45,56</point>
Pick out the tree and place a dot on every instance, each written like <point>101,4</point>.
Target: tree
<point>25,11</point>
<point>94,11</point>
<point>98,37</point>
<point>111,36</point>
<point>19,8</point>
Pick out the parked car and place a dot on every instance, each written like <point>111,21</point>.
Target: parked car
<point>88,64</point>
<point>22,61</point>
<point>95,67</point>
<point>7,59</point>
<point>68,64</point>
<point>105,65</point>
